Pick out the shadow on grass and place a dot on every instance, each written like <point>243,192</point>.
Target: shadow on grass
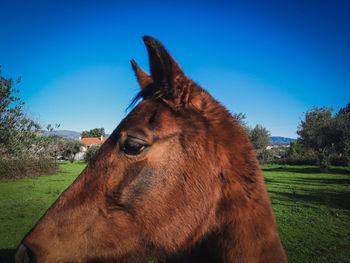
<point>307,170</point>
<point>308,181</point>
<point>339,200</point>
<point>324,181</point>
<point>7,255</point>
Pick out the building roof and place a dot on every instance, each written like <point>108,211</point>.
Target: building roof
<point>93,140</point>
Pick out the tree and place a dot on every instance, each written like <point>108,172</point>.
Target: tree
<point>50,129</point>
<point>97,132</point>
<point>90,153</point>
<point>241,118</point>
<point>296,150</point>
<point>320,133</point>
<point>343,121</point>
<point>260,137</point>
<point>17,130</point>
<point>51,146</point>
<point>71,148</point>
<point>344,110</point>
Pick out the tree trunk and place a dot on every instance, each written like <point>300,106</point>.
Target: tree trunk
<point>323,159</point>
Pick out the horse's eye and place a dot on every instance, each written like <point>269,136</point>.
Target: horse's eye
<point>133,146</point>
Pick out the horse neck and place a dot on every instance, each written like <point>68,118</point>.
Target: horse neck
<point>224,246</point>
<point>248,231</point>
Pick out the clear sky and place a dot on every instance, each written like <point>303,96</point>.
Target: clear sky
<point>272,60</point>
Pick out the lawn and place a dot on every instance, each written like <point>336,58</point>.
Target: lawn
<point>24,201</point>
<point>312,209</point>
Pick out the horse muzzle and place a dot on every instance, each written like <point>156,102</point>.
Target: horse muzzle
<point>25,255</point>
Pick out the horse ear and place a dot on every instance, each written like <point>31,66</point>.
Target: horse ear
<point>170,83</point>
<point>164,69</point>
<point>142,77</point>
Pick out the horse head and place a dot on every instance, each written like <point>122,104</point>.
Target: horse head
<point>177,180</point>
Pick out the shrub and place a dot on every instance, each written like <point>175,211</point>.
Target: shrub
<point>265,156</point>
<point>70,149</point>
<point>14,168</point>
<point>297,160</point>
<point>91,152</point>
<point>339,161</point>
<point>297,155</point>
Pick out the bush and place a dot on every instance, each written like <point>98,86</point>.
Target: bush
<point>297,160</point>
<point>71,148</point>
<point>339,161</point>
<point>265,156</point>
<point>91,152</point>
<point>26,168</point>
<point>297,155</point>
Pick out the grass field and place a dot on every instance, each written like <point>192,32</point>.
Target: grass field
<point>312,209</point>
<point>24,201</point>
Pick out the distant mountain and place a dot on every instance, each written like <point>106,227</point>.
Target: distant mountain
<point>280,140</point>
<point>65,134</point>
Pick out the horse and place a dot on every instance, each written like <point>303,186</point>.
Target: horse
<point>178,181</point>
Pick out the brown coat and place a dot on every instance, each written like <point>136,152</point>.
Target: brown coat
<point>178,180</point>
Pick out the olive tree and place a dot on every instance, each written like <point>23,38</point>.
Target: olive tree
<point>17,130</point>
<point>320,133</point>
<point>260,137</point>
<point>343,121</point>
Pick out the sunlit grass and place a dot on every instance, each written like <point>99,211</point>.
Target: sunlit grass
<point>24,201</point>
<point>312,210</point>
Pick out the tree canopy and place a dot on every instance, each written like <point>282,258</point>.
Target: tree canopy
<point>343,122</point>
<point>260,137</point>
<point>17,130</point>
<point>71,148</point>
<point>326,134</point>
<point>97,132</point>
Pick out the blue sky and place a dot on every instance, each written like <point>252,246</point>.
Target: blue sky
<point>272,60</point>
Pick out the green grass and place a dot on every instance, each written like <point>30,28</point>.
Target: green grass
<point>312,209</point>
<point>24,201</point>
